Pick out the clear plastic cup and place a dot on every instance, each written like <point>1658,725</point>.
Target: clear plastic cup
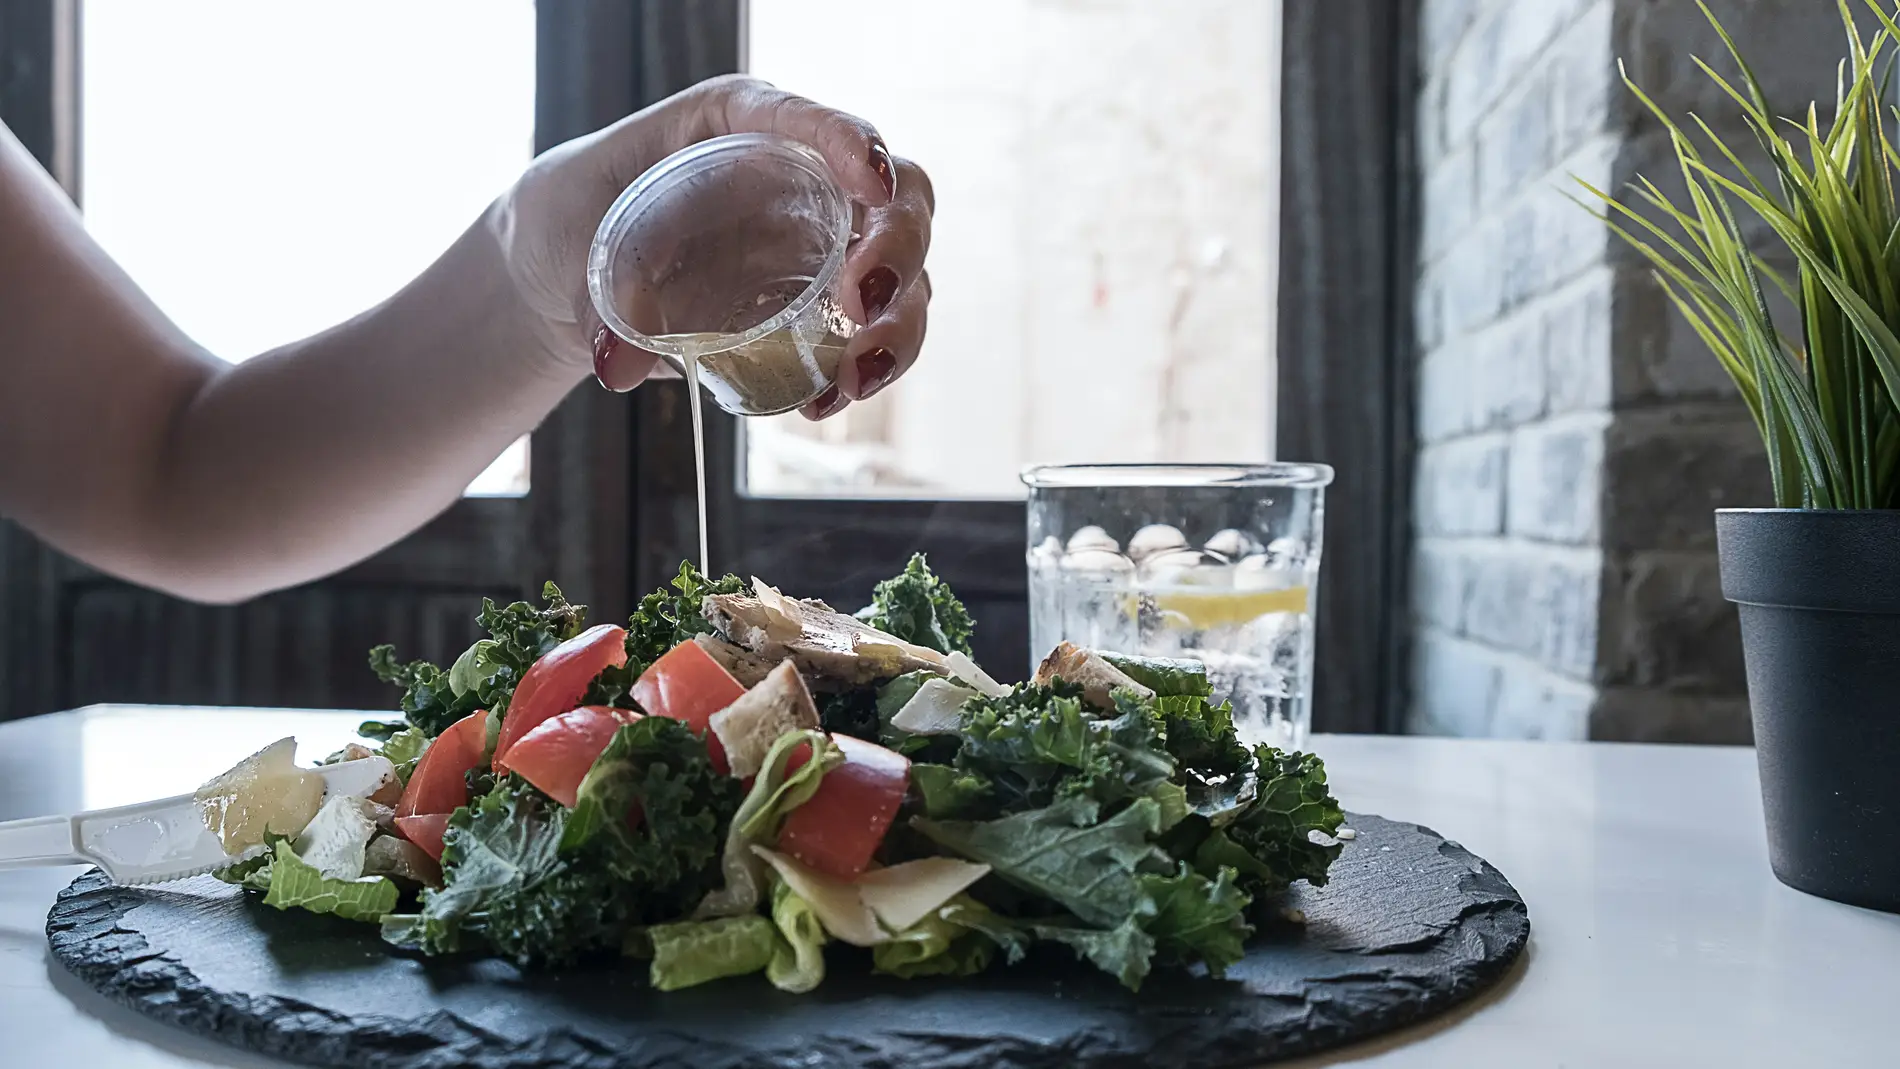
<point>727,254</point>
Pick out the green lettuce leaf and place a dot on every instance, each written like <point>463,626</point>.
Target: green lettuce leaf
<point>1006,934</point>
<point>690,953</point>
<point>798,963</point>
<point>1124,951</point>
<point>1063,854</point>
<point>475,668</point>
<point>404,749</point>
<point>774,793</point>
<point>1166,676</point>
<point>670,616</point>
<point>296,884</point>
<point>253,874</point>
<point>918,607</point>
<point>934,946</point>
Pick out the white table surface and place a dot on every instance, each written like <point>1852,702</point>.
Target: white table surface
<point>1658,935</point>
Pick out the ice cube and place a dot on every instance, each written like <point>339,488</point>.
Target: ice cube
<point>1187,568</point>
<point>1288,552</point>
<point>1104,564</point>
<point>1098,600</point>
<point>1261,571</point>
<point>1233,543</point>
<point>1092,537</point>
<point>1046,554</point>
<point>1155,539</point>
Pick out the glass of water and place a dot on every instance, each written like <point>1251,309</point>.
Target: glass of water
<point>1215,562</point>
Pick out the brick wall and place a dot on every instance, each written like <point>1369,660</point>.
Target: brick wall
<point>1575,436</point>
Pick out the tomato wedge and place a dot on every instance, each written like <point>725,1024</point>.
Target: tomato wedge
<point>840,827</point>
<point>440,782</point>
<point>558,753</point>
<point>426,831</point>
<point>687,685</point>
<point>557,682</point>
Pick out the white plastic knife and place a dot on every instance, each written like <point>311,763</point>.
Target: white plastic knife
<point>160,841</point>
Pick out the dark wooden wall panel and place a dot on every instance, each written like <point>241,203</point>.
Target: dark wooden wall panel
<point>126,644</point>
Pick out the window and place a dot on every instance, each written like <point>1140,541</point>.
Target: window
<point>1105,250</point>
<point>266,171</point>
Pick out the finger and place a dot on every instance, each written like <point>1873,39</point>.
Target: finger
<point>825,405</point>
<point>881,352</point>
<point>618,365</point>
<point>851,147</point>
<point>890,254</point>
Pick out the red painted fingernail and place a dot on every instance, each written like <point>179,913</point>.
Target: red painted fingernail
<point>886,170</point>
<point>876,369</point>
<point>828,403</point>
<point>604,345</point>
<point>876,290</point>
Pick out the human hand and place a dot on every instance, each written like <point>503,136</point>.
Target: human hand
<point>546,222</point>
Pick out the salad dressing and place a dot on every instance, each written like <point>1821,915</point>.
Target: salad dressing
<point>689,364</point>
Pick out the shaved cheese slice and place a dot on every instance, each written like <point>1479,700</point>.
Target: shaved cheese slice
<point>838,904</point>
<point>872,639</point>
<point>904,894</point>
<point>962,667</point>
<point>882,901</point>
<point>782,618</point>
<point>934,710</point>
<point>335,840</point>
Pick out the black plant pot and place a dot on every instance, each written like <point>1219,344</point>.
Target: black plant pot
<point>1819,594</point>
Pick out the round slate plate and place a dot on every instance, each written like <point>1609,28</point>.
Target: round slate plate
<point>1409,926</point>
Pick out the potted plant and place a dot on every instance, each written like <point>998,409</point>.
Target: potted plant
<point>1817,577</point>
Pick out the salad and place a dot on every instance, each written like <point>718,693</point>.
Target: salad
<point>737,780</point>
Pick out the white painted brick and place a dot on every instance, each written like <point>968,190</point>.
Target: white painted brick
<point>1514,142</point>
<point>1556,480</point>
<point>1448,200</point>
<point>1577,353</point>
<point>1444,395</point>
<point>1587,96</point>
<point>1460,488</point>
<point>1505,372</point>
<point>1442,575</point>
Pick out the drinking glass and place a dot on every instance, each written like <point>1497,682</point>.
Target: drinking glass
<point>1215,562</point>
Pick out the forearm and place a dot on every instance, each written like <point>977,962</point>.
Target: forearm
<point>308,458</point>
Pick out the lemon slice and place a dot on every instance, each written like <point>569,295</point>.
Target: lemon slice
<point>1205,610</point>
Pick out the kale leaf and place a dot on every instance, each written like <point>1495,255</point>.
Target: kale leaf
<point>486,674</point>
<point>1293,802</point>
<point>918,607</point>
<point>671,615</point>
<point>1063,853</point>
<point>504,846</point>
<point>1040,743</point>
<point>670,858</point>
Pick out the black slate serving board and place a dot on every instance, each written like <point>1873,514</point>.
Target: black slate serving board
<point>1409,926</point>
